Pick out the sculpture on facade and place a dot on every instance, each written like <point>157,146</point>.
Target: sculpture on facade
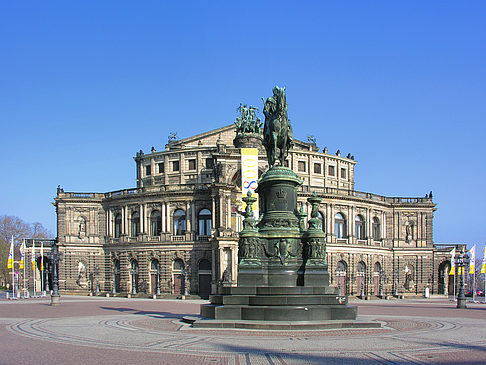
<point>277,132</point>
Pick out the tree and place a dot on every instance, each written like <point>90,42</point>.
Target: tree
<point>16,227</point>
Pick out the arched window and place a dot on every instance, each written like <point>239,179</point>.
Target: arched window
<point>360,227</point>
<point>179,222</point>
<point>340,226</point>
<point>361,269</point>
<point>204,265</point>
<point>154,265</point>
<point>377,267</point>
<point>155,223</point>
<point>135,224</point>
<point>376,228</point>
<point>178,265</point>
<point>204,222</point>
<point>118,225</point>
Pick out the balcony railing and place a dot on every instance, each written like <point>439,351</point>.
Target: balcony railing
<point>360,194</point>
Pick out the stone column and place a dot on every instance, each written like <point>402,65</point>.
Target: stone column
<point>351,226</point>
<point>164,217</point>
<point>188,218</point>
<point>168,213</point>
<point>194,224</point>
<point>108,221</point>
<point>123,221</point>
<point>228,211</point>
<point>213,211</point>
<point>145,220</point>
<point>140,214</point>
<point>127,227</point>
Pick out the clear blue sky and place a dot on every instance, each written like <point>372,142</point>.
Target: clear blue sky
<point>400,85</point>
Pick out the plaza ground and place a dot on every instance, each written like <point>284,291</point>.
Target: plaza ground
<point>97,330</point>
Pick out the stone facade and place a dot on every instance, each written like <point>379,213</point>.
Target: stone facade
<point>177,231</point>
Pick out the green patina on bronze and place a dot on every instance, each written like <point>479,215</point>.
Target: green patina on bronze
<point>282,271</point>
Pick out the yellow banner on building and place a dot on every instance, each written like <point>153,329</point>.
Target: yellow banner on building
<point>249,175</point>
<point>453,262</point>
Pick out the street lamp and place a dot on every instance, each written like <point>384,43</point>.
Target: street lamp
<point>158,279</point>
<point>133,274</point>
<point>97,273</point>
<point>462,261</point>
<point>55,257</point>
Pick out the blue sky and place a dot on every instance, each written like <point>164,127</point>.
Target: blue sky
<point>400,85</point>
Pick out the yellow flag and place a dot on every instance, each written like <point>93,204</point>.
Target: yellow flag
<point>472,263</point>
<point>483,266</point>
<point>10,255</point>
<point>22,255</point>
<point>453,262</point>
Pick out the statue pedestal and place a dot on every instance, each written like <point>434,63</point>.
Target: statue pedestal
<point>282,275</point>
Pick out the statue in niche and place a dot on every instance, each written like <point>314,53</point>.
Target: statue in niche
<point>408,231</point>
<point>82,279</point>
<point>82,227</point>
<point>277,132</point>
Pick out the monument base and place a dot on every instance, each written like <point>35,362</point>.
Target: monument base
<point>198,322</point>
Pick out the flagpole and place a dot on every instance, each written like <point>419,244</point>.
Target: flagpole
<point>42,269</point>
<point>13,272</point>
<point>23,244</point>
<point>32,260</point>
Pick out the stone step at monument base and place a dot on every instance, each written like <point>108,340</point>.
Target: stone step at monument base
<point>198,322</point>
<point>279,313</point>
<point>278,300</point>
<point>278,290</point>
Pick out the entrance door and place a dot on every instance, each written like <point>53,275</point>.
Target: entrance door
<point>153,283</point>
<point>342,284</point>
<point>204,285</point>
<point>178,284</point>
<point>376,284</point>
<point>359,284</point>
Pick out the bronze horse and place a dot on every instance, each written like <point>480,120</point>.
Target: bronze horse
<point>277,132</point>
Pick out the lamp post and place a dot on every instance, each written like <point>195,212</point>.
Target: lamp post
<point>158,280</point>
<point>97,274</point>
<point>55,257</point>
<point>382,278</point>
<point>395,282</point>
<point>133,274</point>
<point>462,261</point>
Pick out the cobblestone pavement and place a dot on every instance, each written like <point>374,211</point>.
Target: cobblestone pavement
<point>86,330</point>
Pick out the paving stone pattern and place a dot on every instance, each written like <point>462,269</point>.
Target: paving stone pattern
<point>124,331</point>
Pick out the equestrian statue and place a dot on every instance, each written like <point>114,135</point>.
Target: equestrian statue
<point>277,132</point>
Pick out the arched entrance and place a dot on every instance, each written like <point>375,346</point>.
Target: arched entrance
<point>341,279</point>
<point>204,273</point>
<point>178,277</point>
<point>361,279</point>
<point>377,272</point>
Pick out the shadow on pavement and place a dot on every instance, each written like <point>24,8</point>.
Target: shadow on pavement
<point>152,314</point>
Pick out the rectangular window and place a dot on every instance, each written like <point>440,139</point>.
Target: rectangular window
<point>343,173</point>
<point>209,163</point>
<point>331,171</point>
<point>317,168</point>
<point>301,166</point>
<point>161,167</point>
<point>192,164</point>
<point>175,165</point>
<point>148,170</point>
